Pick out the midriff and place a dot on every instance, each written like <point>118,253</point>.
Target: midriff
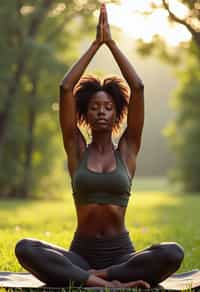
<point>99,220</point>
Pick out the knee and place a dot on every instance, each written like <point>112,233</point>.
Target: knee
<point>23,247</point>
<point>174,254</point>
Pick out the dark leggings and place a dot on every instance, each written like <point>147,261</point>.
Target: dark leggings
<point>57,266</point>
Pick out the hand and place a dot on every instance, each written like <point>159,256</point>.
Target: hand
<point>99,33</point>
<point>106,27</point>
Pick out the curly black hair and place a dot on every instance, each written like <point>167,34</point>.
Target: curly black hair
<point>89,85</point>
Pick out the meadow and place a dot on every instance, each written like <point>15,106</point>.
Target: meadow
<point>153,216</point>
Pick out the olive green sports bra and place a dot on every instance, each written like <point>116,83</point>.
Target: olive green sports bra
<point>101,188</point>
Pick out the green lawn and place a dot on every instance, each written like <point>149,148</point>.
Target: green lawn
<point>151,217</point>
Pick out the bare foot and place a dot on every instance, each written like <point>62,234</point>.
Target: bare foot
<point>94,281</point>
<point>99,273</point>
<point>138,284</point>
<point>117,284</point>
<point>133,284</point>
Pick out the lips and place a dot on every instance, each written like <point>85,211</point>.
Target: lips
<point>101,121</point>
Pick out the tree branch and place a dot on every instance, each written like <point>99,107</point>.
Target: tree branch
<point>195,34</point>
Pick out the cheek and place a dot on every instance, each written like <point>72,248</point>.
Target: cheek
<point>89,116</point>
<point>112,118</point>
<point>113,115</point>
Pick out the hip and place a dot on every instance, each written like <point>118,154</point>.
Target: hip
<point>104,251</point>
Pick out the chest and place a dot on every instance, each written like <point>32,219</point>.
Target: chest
<point>101,163</point>
<point>86,181</point>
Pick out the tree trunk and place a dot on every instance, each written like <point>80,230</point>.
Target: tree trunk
<point>37,19</point>
<point>24,189</point>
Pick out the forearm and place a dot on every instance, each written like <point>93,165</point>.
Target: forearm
<point>125,66</point>
<point>75,72</point>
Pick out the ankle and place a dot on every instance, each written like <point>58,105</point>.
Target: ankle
<point>102,273</point>
<point>93,281</point>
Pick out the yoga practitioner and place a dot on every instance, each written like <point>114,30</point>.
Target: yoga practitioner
<point>101,252</point>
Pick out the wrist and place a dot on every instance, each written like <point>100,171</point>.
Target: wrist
<point>110,43</point>
<point>97,43</point>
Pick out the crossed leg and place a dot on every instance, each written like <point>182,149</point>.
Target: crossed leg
<point>50,263</point>
<point>153,264</point>
<point>55,266</point>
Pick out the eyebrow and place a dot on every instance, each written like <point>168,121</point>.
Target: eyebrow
<point>97,102</point>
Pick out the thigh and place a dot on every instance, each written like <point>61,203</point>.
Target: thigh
<point>128,256</point>
<point>75,258</point>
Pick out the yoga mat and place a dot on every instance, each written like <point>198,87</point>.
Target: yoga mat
<point>176,282</point>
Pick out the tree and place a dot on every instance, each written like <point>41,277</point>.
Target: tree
<point>38,44</point>
<point>183,132</point>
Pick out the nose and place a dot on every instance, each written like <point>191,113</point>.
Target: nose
<point>101,110</point>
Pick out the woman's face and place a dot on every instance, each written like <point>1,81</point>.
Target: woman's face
<point>101,114</point>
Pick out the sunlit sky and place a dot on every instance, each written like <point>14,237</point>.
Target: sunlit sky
<point>128,16</point>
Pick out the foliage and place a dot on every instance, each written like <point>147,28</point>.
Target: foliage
<point>38,42</point>
<point>183,132</point>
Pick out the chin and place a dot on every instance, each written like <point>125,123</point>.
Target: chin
<point>102,128</point>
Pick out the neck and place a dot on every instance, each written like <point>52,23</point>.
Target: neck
<point>102,142</point>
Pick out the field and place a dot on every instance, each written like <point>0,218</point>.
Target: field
<point>152,217</point>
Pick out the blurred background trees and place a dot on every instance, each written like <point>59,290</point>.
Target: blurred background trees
<point>38,44</point>
<point>184,131</point>
<point>39,41</point>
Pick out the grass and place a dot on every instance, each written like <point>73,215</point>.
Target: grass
<point>152,217</point>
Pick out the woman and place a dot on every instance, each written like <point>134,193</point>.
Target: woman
<point>101,252</point>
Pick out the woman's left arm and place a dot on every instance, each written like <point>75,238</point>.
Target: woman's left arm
<point>135,118</point>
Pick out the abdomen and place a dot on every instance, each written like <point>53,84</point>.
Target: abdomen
<point>100,220</point>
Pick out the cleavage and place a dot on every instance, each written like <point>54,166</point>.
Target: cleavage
<point>98,163</point>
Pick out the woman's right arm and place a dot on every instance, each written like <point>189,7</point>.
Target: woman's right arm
<point>67,109</point>
<point>72,137</point>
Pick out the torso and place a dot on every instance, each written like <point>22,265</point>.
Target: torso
<point>98,220</point>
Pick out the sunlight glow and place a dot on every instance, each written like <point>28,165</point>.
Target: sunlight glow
<point>27,9</point>
<point>178,8</point>
<point>60,7</point>
<point>128,16</point>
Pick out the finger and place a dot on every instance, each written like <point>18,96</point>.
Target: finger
<point>101,16</point>
<point>102,9</point>
<point>105,14</point>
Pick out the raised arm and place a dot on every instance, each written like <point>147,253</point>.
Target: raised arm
<point>67,102</point>
<point>135,118</point>
<point>72,136</point>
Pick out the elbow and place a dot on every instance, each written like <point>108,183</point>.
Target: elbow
<point>66,86</point>
<point>139,86</point>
